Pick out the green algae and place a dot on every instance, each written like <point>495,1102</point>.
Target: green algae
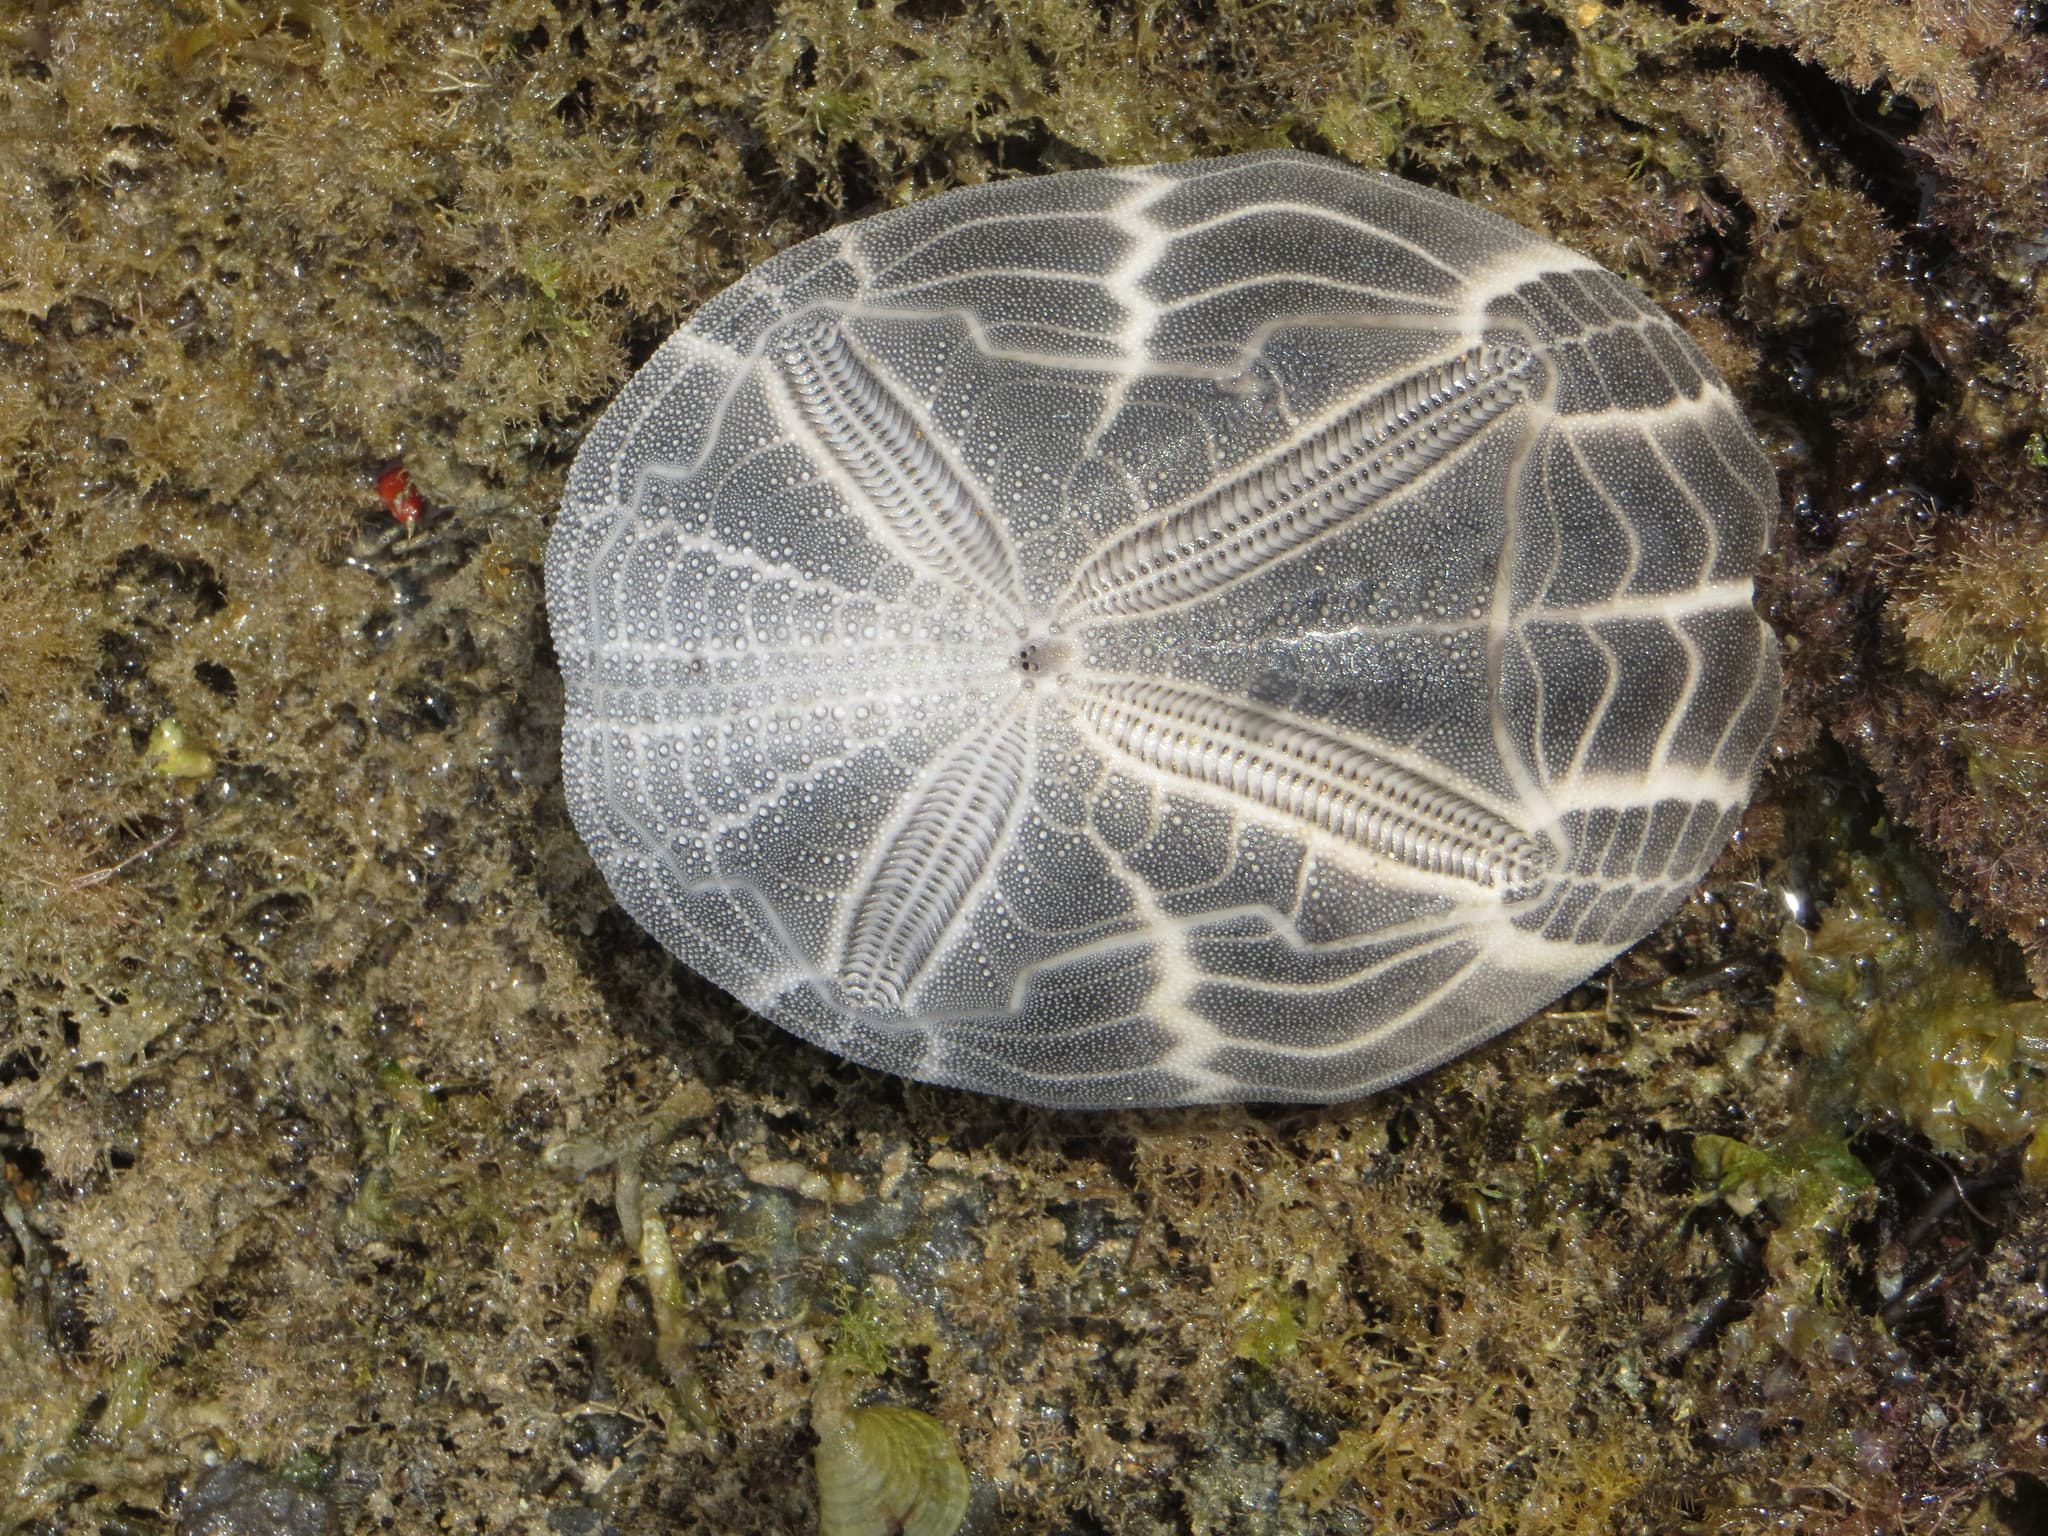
<point>173,754</point>
<point>1901,1012</point>
<point>344,1127</point>
<point>1810,1182</point>
<point>869,1332</point>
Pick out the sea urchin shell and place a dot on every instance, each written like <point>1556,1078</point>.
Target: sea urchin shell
<point>1246,629</point>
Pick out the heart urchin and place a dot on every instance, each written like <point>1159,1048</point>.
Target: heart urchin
<point>1247,629</point>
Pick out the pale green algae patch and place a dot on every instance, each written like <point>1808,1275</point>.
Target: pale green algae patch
<point>1901,1011</point>
<point>358,1154</point>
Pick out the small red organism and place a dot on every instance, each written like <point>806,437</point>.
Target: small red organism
<point>400,496</point>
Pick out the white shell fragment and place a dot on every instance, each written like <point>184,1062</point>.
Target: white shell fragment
<point>1246,629</point>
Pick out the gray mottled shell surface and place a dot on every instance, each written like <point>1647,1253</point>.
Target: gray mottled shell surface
<point>1246,629</point>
